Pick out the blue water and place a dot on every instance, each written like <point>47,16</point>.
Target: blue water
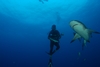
<point>24,27</point>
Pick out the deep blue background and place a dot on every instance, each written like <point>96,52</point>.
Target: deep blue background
<point>24,45</point>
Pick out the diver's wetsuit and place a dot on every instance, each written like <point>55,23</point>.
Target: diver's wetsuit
<point>54,34</point>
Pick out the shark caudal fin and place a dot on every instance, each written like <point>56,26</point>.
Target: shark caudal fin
<point>76,36</point>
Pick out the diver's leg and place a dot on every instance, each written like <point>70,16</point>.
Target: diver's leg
<point>51,47</point>
<point>57,47</point>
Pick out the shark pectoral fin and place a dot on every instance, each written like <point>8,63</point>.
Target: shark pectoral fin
<point>84,44</point>
<point>79,39</point>
<point>76,36</point>
<point>72,41</point>
<point>73,38</point>
<point>97,32</point>
<point>88,41</point>
<point>92,31</point>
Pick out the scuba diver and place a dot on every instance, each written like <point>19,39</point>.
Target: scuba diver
<point>54,37</point>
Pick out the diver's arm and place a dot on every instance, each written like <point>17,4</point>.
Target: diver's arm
<point>59,35</point>
<point>49,35</point>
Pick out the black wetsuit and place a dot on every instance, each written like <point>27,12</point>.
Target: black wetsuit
<point>54,34</point>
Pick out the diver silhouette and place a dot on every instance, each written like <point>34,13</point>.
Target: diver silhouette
<point>54,37</point>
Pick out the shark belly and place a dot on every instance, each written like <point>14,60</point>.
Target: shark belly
<point>83,32</point>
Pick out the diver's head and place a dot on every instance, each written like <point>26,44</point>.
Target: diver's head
<point>53,27</point>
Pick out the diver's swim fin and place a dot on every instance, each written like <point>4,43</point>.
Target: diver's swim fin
<point>51,53</point>
<point>48,53</point>
<point>50,60</point>
<point>50,65</point>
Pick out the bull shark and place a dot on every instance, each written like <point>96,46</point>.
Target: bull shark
<point>81,31</point>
